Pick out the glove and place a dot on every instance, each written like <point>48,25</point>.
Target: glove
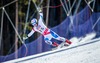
<point>24,38</point>
<point>39,9</point>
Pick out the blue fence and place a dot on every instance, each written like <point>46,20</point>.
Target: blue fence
<point>81,25</point>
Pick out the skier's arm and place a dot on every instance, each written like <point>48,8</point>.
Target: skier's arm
<point>41,21</point>
<point>41,16</point>
<point>29,35</point>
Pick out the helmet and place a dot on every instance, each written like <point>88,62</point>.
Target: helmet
<point>33,21</point>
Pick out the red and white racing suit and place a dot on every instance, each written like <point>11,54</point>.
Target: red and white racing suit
<point>46,32</point>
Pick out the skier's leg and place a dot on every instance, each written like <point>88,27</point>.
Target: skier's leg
<point>51,43</point>
<point>63,39</point>
<point>56,36</point>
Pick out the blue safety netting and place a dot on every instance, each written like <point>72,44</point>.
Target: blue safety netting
<point>81,25</point>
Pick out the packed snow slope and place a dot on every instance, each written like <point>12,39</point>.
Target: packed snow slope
<point>81,52</point>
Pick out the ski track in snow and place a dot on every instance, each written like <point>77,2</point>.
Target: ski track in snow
<point>84,54</point>
<point>75,41</point>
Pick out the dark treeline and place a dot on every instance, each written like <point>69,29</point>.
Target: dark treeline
<point>56,16</point>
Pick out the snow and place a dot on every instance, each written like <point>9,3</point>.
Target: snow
<point>81,40</point>
<point>85,51</point>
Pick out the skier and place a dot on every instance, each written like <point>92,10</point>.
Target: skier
<point>46,32</point>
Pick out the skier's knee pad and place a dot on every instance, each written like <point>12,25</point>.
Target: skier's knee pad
<point>61,38</point>
<point>48,42</point>
<point>54,34</point>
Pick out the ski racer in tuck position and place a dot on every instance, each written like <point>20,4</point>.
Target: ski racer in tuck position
<point>46,32</point>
